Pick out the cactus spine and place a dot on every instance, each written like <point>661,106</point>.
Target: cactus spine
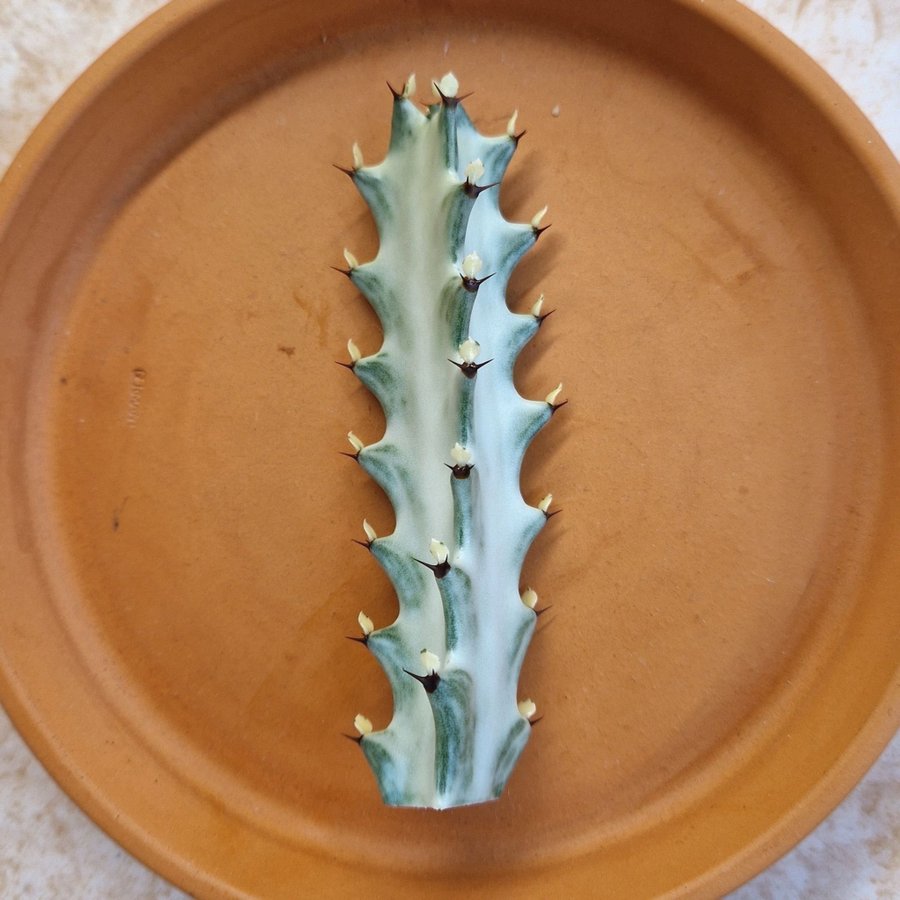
<point>450,457</point>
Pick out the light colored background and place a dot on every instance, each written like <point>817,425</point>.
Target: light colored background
<point>49,849</point>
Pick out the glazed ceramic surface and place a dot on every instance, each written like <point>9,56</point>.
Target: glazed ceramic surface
<point>719,666</point>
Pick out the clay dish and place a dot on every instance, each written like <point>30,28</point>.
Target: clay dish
<point>720,662</point>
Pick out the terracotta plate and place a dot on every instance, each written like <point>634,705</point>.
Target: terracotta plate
<point>720,663</point>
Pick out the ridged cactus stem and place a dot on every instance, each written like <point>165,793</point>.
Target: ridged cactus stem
<point>450,458</point>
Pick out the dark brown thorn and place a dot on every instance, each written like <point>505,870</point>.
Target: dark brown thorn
<point>543,316</point>
<point>539,231</point>
<point>518,137</point>
<point>472,284</point>
<point>543,609</point>
<point>555,406</point>
<point>345,170</point>
<point>353,456</point>
<point>346,365</point>
<point>439,569</point>
<point>551,513</point>
<point>470,370</point>
<point>429,682</point>
<point>473,190</point>
<point>359,640</point>
<point>397,95</point>
<point>460,472</point>
<point>356,738</point>
<point>366,544</point>
<point>533,722</point>
<point>347,272</point>
<point>451,102</point>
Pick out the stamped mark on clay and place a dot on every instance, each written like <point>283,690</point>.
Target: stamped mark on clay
<point>135,393</point>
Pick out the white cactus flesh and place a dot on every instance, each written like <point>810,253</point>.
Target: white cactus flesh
<point>450,458</point>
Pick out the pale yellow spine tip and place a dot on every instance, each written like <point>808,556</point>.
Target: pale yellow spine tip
<point>538,306</point>
<point>448,86</point>
<point>544,505</point>
<point>554,394</point>
<point>527,708</point>
<point>511,124</point>
<point>430,661</point>
<point>474,170</point>
<point>351,259</point>
<point>362,725</point>
<point>469,350</point>
<point>439,551</point>
<point>472,265</point>
<point>365,623</point>
<point>353,350</point>
<point>460,455</point>
<point>355,442</point>
<point>530,597</point>
<point>538,217</point>
<point>358,161</point>
<point>369,530</point>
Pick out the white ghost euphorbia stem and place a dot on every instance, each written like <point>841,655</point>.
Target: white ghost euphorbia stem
<point>449,461</point>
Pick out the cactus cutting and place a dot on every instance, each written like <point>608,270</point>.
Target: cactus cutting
<point>450,456</point>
